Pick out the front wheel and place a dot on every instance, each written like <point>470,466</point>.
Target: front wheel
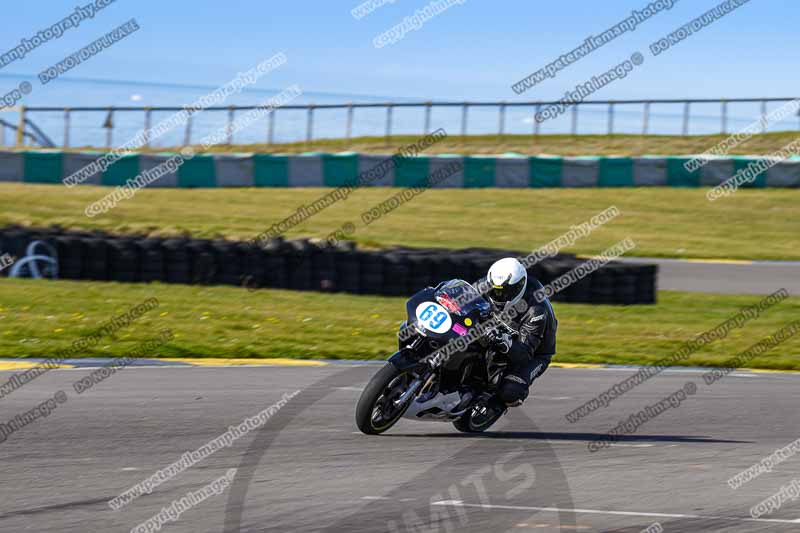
<point>377,410</point>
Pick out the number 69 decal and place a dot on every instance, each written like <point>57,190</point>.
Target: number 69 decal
<point>434,317</point>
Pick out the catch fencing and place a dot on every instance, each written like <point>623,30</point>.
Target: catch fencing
<point>340,120</point>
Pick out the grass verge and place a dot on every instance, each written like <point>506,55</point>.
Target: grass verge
<point>39,317</point>
<point>678,223</point>
<point>567,145</point>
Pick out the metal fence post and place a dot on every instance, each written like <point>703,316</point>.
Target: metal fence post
<point>310,124</point>
<point>271,127</point>
<point>187,135</point>
<point>536,124</point>
<point>764,116</point>
<point>575,119</point>
<point>66,127</point>
<point>724,116</point>
<point>20,140</point>
<point>427,118</point>
<point>501,119</point>
<point>349,132</point>
<point>388,123</point>
<point>611,118</point>
<point>148,124</point>
<point>229,128</point>
<point>646,119</point>
<point>686,106</point>
<point>464,110</point>
<point>109,126</point>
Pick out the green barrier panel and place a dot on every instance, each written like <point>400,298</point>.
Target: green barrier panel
<point>126,168</point>
<point>198,171</point>
<point>545,171</point>
<point>678,176</point>
<point>412,172</point>
<point>478,172</point>
<point>741,163</point>
<point>339,169</point>
<point>615,172</point>
<point>43,167</point>
<point>270,170</point>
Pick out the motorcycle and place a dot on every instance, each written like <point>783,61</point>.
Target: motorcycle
<point>446,369</point>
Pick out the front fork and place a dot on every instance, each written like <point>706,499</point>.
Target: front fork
<point>404,361</point>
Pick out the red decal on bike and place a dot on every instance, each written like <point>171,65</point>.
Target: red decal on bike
<point>448,303</point>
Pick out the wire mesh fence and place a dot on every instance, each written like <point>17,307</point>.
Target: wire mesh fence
<point>113,126</point>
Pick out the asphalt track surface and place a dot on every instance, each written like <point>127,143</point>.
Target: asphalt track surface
<point>725,277</point>
<point>308,469</point>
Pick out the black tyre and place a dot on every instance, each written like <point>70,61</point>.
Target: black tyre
<point>376,411</point>
<point>479,418</point>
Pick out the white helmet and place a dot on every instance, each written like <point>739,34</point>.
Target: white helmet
<point>507,280</point>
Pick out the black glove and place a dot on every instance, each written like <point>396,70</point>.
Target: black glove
<point>501,342</point>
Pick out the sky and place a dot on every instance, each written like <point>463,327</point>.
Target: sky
<point>474,50</point>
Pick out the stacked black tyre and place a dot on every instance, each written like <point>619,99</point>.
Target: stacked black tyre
<point>124,261</point>
<point>151,253</point>
<point>306,265</point>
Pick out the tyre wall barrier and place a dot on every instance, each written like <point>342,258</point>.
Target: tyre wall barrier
<point>306,265</point>
<point>315,169</point>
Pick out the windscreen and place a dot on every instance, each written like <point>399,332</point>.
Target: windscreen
<point>460,298</point>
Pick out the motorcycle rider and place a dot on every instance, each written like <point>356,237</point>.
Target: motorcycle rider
<point>533,342</point>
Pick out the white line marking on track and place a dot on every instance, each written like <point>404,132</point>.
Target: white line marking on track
<point>356,389</point>
<point>552,397</point>
<point>459,503</point>
<point>375,498</point>
<point>583,443</point>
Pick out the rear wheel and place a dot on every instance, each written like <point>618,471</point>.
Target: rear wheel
<point>377,410</point>
<point>479,418</point>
